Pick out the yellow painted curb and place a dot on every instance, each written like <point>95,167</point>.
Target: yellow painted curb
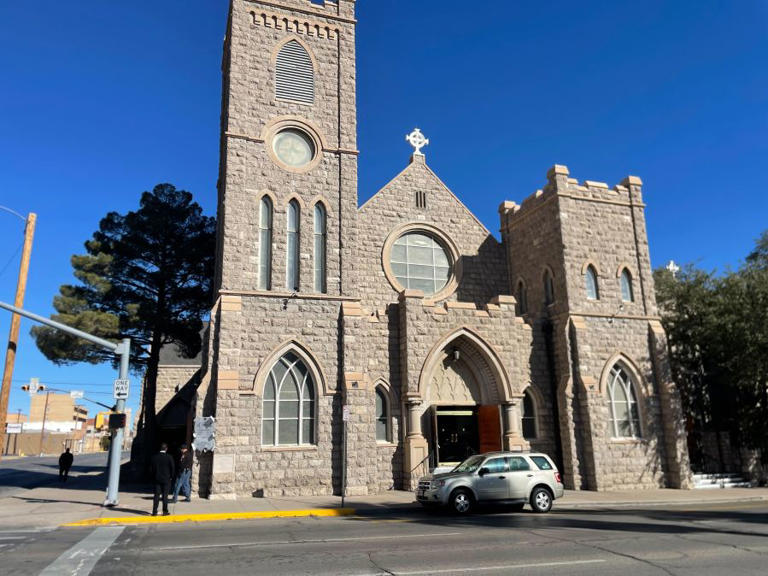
<point>214,517</point>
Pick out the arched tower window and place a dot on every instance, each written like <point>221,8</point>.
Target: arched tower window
<point>320,248</point>
<point>293,222</point>
<point>522,297</point>
<point>549,287</point>
<point>530,428</point>
<point>383,433</point>
<point>625,417</point>
<point>627,294</point>
<point>265,244</point>
<point>593,292</point>
<point>294,74</point>
<point>288,417</point>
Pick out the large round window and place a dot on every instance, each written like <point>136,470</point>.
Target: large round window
<point>293,147</point>
<point>420,262</point>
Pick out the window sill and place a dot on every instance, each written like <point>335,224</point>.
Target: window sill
<point>289,448</point>
<point>629,441</point>
<point>384,444</point>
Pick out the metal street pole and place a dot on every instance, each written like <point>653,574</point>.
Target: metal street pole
<point>124,349</point>
<point>13,337</point>
<point>116,446</point>
<point>45,414</point>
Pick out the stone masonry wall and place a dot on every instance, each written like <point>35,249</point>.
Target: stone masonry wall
<point>482,262</point>
<point>248,170</point>
<point>248,339</point>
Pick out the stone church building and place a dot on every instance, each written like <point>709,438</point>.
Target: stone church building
<point>401,335</point>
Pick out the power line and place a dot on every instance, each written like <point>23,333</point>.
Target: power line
<point>12,258</point>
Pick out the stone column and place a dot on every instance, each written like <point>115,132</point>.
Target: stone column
<point>416,447</point>
<point>513,430</point>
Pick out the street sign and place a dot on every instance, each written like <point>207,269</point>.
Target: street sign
<point>345,413</point>
<point>12,428</point>
<point>76,394</point>
<point>121,389</point>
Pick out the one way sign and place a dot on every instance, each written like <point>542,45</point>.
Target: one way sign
<point>121,389</point>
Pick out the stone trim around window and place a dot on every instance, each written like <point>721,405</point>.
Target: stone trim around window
<point>284,123</point>
<point>443,238</point>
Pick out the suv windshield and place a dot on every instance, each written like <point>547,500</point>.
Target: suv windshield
<point>470,464</point>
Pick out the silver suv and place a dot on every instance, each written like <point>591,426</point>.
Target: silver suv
<point>509,477</point>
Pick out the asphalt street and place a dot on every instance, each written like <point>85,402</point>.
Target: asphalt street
<point>18,474</point>
<point>705,540</point>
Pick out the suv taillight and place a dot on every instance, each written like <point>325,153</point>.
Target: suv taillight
<point>557,478</point>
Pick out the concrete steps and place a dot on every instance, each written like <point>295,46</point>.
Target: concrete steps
<point>719,481</point>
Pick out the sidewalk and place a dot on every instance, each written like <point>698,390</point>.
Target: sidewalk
<point>80,500</point>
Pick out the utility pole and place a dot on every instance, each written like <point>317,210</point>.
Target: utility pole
<point>10,355</point>
<point>45,415</point>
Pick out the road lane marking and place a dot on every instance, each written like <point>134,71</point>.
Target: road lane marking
<point>495,568</point>
<point>294,542</point>
<point>83,556</point>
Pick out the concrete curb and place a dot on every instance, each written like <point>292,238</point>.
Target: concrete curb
<point>214,517</point>
<point>393,510</point>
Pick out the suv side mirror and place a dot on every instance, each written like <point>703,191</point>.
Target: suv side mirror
<point>483,471</point>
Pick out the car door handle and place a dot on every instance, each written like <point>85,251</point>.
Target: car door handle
<point>530,475</point>
<point>502,477</point>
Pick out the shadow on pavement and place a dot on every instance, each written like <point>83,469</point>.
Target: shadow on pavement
<point>638,520</point>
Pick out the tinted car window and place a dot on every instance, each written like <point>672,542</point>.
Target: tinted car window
<point>517,463</point>
<point>541,462</point>
<point>496,465</point>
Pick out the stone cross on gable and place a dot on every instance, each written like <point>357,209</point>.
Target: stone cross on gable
<point>417,140</point>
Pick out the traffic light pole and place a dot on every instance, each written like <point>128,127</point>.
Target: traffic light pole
<point>124,350</point>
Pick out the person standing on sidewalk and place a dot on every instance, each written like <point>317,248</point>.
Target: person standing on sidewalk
<point>163,470</point>
<point>185,474</point>
<point>65,463</point>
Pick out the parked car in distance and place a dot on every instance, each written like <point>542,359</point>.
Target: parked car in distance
<point>500,477</point>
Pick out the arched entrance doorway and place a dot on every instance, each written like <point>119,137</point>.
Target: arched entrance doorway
<point>464,391</point>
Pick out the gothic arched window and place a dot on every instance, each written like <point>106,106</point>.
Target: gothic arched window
<point>593,292</point>
<point>522,297</point>
<point>265,244</point>
<point>625,416</point>
<point>288,418</point>
<point>320,248</point>
<point>530,428</point>
<point>549,287</point>
<point>292,257</point>
<point>382,416</point>
<point>294,74</point>
<point>627,294</point>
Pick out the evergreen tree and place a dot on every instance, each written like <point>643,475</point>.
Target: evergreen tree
<point>146,275</point>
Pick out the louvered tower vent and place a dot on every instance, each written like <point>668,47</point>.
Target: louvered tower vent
<point>295,76</point>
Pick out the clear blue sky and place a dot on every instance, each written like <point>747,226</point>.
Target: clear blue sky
<point>100,101</point>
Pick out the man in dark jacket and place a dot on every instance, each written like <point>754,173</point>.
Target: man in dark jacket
<point>163,470</point>
<point>65,463</point>
<point>185,473</point>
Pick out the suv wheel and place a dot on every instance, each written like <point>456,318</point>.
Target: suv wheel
<point>461,501</point>
<point>541,500</point>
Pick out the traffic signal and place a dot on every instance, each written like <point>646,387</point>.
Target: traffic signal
<point>116,421</point>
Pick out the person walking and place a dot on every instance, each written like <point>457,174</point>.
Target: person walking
<point>185,474</point>
<point>65,463</point>
<point>163,470</point>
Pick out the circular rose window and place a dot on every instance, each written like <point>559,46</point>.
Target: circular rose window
<point>293,147</point>
<point>420,262</point>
